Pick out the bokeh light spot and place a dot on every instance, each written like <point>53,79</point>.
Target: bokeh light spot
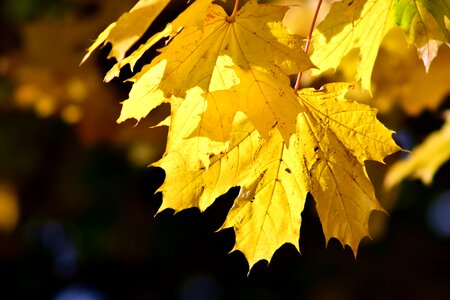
<point>45,106</point>
<point>71,114</point>
<point>77,90</point>
<point>439,214</point>
<point>79,292</point>
<point>9,208</point>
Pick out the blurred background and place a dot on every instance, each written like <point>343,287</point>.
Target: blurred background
<point>77,200</point>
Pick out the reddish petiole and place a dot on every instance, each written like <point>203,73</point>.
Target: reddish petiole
<point>308,41</point>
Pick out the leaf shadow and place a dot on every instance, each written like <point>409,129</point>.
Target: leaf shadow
<point>351,9</point>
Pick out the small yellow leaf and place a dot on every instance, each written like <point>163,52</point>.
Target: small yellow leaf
<point>145,95</point>
<point>216,121</point>
<point>199,9</point>
<point>268,100</point>
<point>424,160</point>
<point>128,28</point>
<point>99,41</point>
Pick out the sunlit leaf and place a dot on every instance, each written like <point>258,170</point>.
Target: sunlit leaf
<point>128,28</point>
<point>236,120</point>
<point>362,25</point>
<point>424,160</point>
<point>199,9</point>
<point>338,135</point>
<point>255,39</point>
<point>275,177</point>
<point>424,24</point>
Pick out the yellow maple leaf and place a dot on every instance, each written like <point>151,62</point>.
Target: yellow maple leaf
<point>338,135</point>
<point>275,177</point>
<point>236,121</point>
<point>256,38</point>
<point>424,160</point>
<point>362,25</point>
<point>144,95</point>
<point>128,28</point>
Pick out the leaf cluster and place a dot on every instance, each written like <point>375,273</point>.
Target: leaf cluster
<point>236,120</point>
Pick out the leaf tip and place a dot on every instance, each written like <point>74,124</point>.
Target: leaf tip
<point>86,56</point>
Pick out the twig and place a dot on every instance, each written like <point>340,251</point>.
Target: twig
<point>308,41</point>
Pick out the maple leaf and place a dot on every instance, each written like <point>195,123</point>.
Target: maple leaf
<point>424,160</point>
<point>236,121</point>
<point>275,176</point>
<point>254,39</point>
<point>128,28</point>
<point>362,25</point>
<point>338,135</point>
<point>144,95</point>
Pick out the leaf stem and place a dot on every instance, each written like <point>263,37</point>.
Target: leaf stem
<point>231,18</point>
<point>308,41</point>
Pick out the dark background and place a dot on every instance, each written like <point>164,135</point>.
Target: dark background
<point>85,200</point>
